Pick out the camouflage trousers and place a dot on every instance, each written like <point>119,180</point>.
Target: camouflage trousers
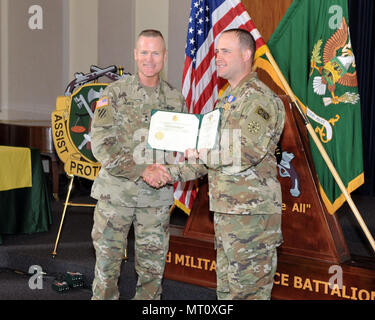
<point>246,255</point>
<point>109,234</point>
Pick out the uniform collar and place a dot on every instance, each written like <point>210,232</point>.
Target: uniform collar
<point>231,94</point>
<point>139,81</point>
<point>246,78</point>
<point>158,88</point>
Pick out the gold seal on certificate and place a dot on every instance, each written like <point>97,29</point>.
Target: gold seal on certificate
<point>159,135</point>
<point>177,131</point>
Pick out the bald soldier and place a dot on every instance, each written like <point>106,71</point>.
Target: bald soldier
<point>244,191</point>
<point>118,137</point>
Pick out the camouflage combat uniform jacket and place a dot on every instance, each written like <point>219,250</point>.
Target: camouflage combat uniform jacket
<point>119,137</point>
<point>243,175</point>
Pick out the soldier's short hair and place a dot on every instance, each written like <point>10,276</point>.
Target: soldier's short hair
<point>152,33</point>
<point>245,38</point>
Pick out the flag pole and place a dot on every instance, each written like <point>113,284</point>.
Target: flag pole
<point>322,151</point>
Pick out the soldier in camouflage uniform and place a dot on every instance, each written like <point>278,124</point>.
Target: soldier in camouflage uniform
<point>244,191</point>
<point>118,137</point>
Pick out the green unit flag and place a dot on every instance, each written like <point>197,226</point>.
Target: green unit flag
<point>312,48</point>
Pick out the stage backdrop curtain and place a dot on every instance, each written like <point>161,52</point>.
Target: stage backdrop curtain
<point>27,210</point>
<point>362,29</point>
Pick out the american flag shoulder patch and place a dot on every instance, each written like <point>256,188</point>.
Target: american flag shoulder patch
<point>102,102</point>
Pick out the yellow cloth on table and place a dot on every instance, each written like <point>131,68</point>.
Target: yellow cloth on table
<point>15,168</point>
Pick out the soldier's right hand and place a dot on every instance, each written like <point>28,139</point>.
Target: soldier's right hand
<point>156,175</point>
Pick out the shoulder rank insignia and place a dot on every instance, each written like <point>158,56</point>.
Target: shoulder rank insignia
<point>263,113</point>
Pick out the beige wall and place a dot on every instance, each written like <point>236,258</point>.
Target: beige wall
<point>83,35</point>
<point>177,28</point>
<point>116,33</point>
<point>37,65</point>
<point>32,76</point>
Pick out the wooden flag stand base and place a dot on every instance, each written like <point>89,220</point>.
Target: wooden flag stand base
<point>313,261</point>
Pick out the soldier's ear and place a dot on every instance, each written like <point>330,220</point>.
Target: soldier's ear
<point>246,54</point>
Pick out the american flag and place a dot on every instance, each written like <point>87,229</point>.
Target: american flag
<point>102,102</point>
<point>200,84</point>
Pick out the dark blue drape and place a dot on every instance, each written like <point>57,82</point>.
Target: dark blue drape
<point>362,31</point>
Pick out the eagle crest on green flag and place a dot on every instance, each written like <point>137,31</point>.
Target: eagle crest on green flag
<point>338,59</point>
<point>313,50</point>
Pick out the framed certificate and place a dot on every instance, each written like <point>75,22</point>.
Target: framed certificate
<point>177,131</point>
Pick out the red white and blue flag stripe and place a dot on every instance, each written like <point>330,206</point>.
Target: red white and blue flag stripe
<point>200,84</point>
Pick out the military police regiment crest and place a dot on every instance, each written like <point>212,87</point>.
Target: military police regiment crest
<point>71,121</point>
<point>71,127</point>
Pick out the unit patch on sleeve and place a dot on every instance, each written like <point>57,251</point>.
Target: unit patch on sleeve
<point>102,113</point>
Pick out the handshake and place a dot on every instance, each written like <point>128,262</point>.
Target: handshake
<point>157,175</point>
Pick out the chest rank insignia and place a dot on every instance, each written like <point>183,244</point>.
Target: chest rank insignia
<point>253,126</point>
<point>263,113</point>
